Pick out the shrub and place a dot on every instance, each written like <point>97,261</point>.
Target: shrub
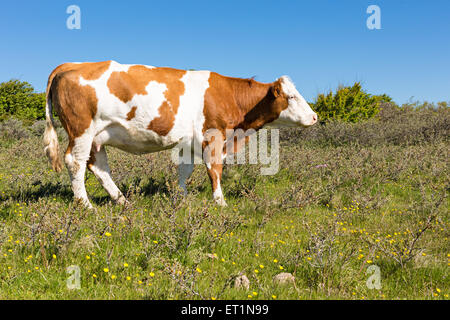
<point>19,99</point>
<point>13,129</point>
<point>38,127</point>
<point>349,104</point>
<point>409,124</point>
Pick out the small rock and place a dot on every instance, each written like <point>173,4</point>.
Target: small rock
<point>242,282</point>
<point>284,278</point>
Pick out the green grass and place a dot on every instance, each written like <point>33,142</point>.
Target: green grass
<point>369,205</point>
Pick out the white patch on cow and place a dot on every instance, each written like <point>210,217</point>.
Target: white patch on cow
<point>298,111</point>
<point>189,119</point>
<point>111,125</point>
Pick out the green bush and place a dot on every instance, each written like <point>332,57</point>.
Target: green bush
<point>349,104</point>
<point>18,98</point>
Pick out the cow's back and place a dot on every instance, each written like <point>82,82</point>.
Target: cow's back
<point>135,102</point>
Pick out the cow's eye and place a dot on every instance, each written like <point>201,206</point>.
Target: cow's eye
<point>291,97</point>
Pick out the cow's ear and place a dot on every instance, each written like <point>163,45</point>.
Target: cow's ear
<point>276,88</point>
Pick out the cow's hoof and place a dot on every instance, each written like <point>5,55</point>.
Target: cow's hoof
<point>122,201</point>
<point>83,203</point>
<point>221,202</point>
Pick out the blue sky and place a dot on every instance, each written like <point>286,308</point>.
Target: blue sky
<point>319,43</point>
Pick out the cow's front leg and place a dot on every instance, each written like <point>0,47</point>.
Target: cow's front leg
<point>215,175</point>
<point>213,157</point>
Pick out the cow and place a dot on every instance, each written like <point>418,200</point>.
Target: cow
<point>143,109</point>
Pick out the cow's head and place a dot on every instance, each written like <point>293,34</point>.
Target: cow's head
<point>295,111</point>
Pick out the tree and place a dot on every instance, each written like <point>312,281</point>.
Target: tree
<point>350,104</point>
<point>19,99</point>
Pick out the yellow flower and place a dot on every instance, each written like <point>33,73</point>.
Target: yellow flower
<point>281,267</point>
<point>54,256</point>
<point>256,270</point>
<point>438,290</point>
<point>369,261</point>
<point>275,260</point>
<point>107,234</point>
<point>199,270</point>
<point>155,242</point>
<point>125,265</point>
<point>87,257</point>
<point>274,296</point>
<point>113,276</point>
<point>261,266</point>
<point>255,293</point>
<point>128,278</point>
<point>213,298</point>
<point>106,270</point>
<point>152,274</point>
<point>94,276</point>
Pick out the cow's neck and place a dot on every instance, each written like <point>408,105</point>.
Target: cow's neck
<point>253,100</point>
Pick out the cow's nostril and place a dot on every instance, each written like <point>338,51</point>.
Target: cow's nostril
<point>314,117</point>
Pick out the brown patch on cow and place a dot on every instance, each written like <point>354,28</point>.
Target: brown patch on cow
<point>76,105</point>
<point>93,70</point>
<point>125,85</point>
<point>268,109</point>
<point>235,103</point>
<point>132,113</point>
<point>88,70</point>
<point>232,103</point>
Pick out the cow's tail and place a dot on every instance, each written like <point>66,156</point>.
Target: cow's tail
<point>50,138</point>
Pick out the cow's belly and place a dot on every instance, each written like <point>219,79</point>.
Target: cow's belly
<point>133,140</point>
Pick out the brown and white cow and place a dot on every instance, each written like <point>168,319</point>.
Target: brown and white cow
<point>142,109</point>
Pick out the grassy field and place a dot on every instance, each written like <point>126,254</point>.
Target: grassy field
<point>347,196</point>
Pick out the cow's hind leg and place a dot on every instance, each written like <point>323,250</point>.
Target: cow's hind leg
<point>98,165</point>
<point>75,158</point>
